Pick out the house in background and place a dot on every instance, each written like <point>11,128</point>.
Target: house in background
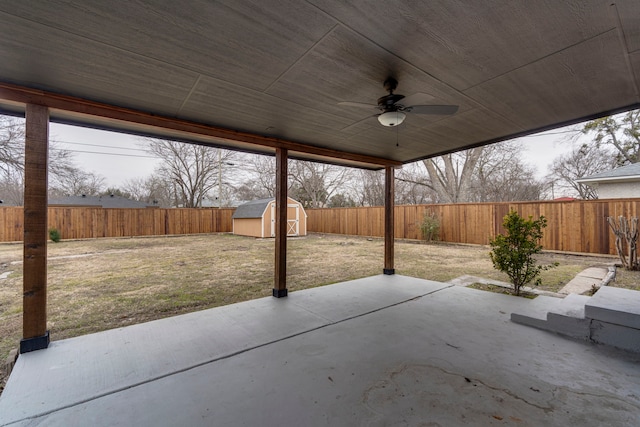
<point>109,201</point>
<point>619,183</point>
<point>258,218</point>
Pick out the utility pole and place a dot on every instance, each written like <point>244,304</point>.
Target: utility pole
<point>220,163</point>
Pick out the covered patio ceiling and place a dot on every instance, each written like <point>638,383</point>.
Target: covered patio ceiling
<point>279,70</point>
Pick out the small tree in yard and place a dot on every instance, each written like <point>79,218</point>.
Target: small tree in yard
<point>430,226</point>
<point>513,252</point>
<point>626,230</point>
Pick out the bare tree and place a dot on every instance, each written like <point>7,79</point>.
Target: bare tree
<point>75,182</point>
<point>413,186</point>
<point>501,175</point>
<point>582,161</point>
<point>12,188</point>
<point>11,144</point>
<point>249,190</point>
<point>620,132</point>
<point>136,188</point>
<point>260,182</point>
<point>451,175</point>
<point>491,173</point>
<point>313,184</point>
<point>368,188</point>
<point>152,189</point>
<point>193,170</point>
<point>64,176</point>
<point>341,200</point>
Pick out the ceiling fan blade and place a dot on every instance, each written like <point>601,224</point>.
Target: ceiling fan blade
<point>440,110</point>
<point>353,125</point>
<point>417,99</point>
<point>357,104</point>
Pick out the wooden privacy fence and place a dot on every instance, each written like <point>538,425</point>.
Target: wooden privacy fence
<point>572,226</point>
<point>81,223</point>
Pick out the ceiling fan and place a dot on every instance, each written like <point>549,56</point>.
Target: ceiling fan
<point>395,106</point>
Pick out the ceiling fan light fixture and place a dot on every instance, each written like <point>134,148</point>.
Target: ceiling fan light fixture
<point>391,118</point>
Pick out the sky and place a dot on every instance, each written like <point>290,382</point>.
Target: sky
<point>119,157</point>
<point>116,156</point>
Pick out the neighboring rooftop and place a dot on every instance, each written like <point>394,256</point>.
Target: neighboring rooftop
<point>110,201</point>
<point>625,173</point>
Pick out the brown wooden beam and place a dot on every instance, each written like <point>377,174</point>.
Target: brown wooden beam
<point>280,270</point>
<point>35,334</point>
<point>83,108</point>
<point>389,194</point>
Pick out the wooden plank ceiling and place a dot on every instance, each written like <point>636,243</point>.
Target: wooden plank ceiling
<point>280,68</point>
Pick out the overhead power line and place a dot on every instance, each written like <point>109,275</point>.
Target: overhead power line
<point>107,154</point>
<point>102,146</point>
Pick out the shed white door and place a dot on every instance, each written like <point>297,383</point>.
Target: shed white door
<point>293,219</point>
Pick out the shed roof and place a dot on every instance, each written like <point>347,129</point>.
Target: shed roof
<point>625,173</point>
<point>110,201</point>
<point>252,209</point>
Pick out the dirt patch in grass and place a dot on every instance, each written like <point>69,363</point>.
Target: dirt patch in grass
<point>627,279</point>
<point>119,282</point>
<point>501,290</point>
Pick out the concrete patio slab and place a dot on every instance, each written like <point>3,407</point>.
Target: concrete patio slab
<point>428,353</point>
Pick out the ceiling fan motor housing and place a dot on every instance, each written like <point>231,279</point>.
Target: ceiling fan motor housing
<point>388,102</point>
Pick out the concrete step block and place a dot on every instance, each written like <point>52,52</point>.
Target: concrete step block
<point>571,306</point>
<point>535,312</point>
<point>568,317</point>
<point>615,305</point>
<point>615,335</point>
<point>574,327</point>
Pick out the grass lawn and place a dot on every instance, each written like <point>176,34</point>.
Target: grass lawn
<point>102,284</point>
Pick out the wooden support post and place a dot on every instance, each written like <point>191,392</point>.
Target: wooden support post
<point>34,331</point>
<point>389,194</point>
<point>280,270</point>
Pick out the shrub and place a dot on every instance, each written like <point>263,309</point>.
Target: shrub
<point>54,235</point>
<point>513,252</point>
<point>430,226</point>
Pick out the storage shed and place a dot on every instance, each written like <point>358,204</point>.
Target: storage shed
<point>258,218</point>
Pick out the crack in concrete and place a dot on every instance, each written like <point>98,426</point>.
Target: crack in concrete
<point>468,379</point>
